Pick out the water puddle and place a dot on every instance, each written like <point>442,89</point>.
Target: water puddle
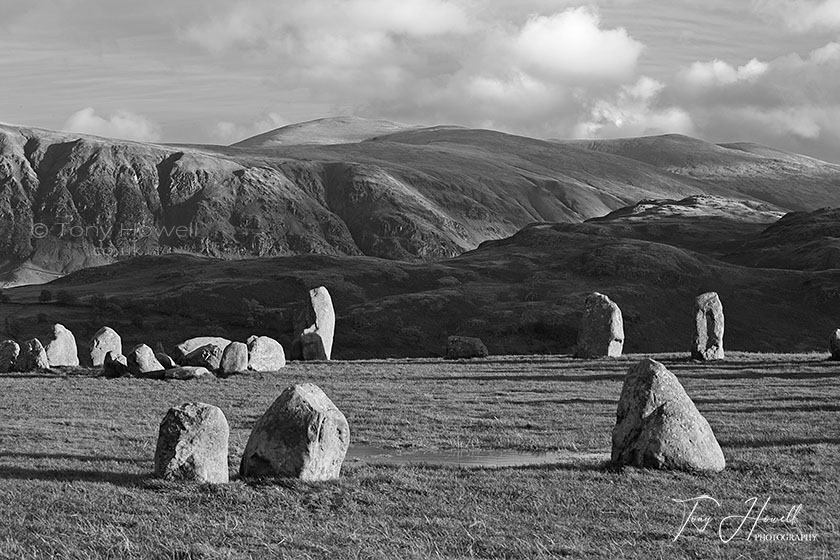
<point>471,457</point>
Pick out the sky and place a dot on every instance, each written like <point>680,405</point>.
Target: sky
<point>219,71</point>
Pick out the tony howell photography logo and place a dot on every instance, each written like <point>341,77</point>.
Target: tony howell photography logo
<point>755,520</point>
<point>96,232</point>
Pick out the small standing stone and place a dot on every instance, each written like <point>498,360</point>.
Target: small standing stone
<point>188,346</point>
<point>265,354</point>
<point>708,328</point>
<point>302,435</point>
<point>601,329</point>
<point>833,345</point>
<point>32,357</point>
<point>165,360</point>
<point>193,444</point>
<point>188,372</point>
<point>234,359</point>
<point>312,347</point>
<point>657,425</point>
<point>61,348</point>
<point>105,340</point>
<point>208,356</point>
<point>142,362</point>
<point>465,347</point>
<point>115,365</point>
<point>9,354</point>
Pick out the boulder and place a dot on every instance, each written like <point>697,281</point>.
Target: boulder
<point>601,332</point>
<point>708,328</point>
<point>301,435</point>
<point>265,354</point>
<point>234,359</point>
<point>142,362</point>
<point>833,345</point>
<point>61,348</point>
<point>188,372</point>
<point>193,344</point>
<point>115,365</point>
<point>193,444</point>
<point>105,340</point>
<point>318,316</point>
<point>32,357</point>
<point>312,347</point>
<point>460,347</point>
<point>657,425</point>
<point>165,360</point>
<point>208,356</point>
<point>9,354</point>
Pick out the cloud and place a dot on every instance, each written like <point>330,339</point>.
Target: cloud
<point>227,132</point>
<point>803,15</point>
<point>120,124</point>
<point>718,73</point>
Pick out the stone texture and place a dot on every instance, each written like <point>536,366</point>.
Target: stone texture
<point>302,435</point>
<point>9,354</point>
<point>184,373</point>
<point>208,356</point>
<point>193,344</point>
<point>115,365</point>
<point>234,359</point>
<point>708,328</point>
<point>318,316</point>
<point>105,340</point>
<point>833,345</point>
<point>312,347</point>
<point>61,348</point>
<point>142,362</point>
<point>265,354</point>
<point>461,347</point>
<point>165,360</point>
<point>32,357</point>
<point>601,332</point>
<point>193,444</point>
<point>658,426</point>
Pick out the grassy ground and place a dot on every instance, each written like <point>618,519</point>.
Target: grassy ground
<point>76,453</point>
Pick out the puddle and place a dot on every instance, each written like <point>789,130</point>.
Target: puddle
<point>471,457</point>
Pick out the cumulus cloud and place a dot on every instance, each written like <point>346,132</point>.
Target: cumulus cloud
<point>803,15</point>
<point>119,124</point>
<point>717,73</point>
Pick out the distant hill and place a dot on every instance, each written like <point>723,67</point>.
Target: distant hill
<point>70,201</point>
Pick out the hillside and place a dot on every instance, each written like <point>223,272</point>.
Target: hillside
<point>332,130</point>
<point>70,201</point>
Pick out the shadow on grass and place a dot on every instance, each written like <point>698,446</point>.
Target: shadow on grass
<point>73,475</point>
<point>72,457</point>
<point>566,378</point>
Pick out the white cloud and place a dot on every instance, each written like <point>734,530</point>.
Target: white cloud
<point>803,15</point>
<point>719,73</point>
<point>120,124</point>
<point>227,132</point>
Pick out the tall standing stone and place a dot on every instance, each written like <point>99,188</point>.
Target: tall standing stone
<point>9,354</point>
<point>601,329</point>
<point>193,444</point>
<point>318,316</point>
<point>61,347</point>
<point>708,328</point>
<point>301,435</point>
<point>658,426</point>
<point>833,345</point>
<point>105,340</point>
<point>32,357</point>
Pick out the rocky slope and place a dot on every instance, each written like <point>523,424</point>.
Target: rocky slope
<point>69,201</point>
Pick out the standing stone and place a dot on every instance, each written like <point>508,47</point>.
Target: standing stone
<point>265,354</point>
<point>142,362</point>
<point>208,356</point>
<point>318,316</point>
<point>193,444</point>
<point>833,345</point>
<point>9,354</point>
<point>105,340</point>
<point>192,344</point>
<point>601,329</point>
<point>61,347</point>
<point>234,359</point>
<point>302,435</point>
<point>461,347</point>
<point>657,425</point>
<point>165,360</point>
<point>32,357</point>
<point>312,347</point>
<point>708,328</point>
<point>114,365</point>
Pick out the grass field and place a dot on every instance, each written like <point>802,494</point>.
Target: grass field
<point>76,456</point>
